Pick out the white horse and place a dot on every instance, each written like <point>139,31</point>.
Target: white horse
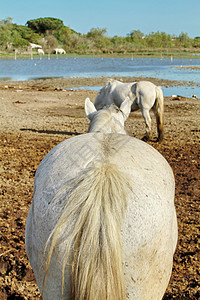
<point>60,51</point>
<point>40,51</point>
<point>102,225</point>
<point>144,95</point>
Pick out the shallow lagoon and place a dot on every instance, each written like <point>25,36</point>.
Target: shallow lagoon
<point>26,69</point>
<point>65,67</point>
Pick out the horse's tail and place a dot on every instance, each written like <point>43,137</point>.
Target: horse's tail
<point>95,208</point>
<point>159,111</point>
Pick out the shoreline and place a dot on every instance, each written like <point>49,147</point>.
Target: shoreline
<point>61,83</point>
<point>148,53</point>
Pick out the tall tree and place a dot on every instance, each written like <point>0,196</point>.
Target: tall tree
<point>45,25</point>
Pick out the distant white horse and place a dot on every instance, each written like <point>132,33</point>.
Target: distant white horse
<point>60,51</point>
<point>144,95</point>
<point>102,225</point>
<point>41,51</point>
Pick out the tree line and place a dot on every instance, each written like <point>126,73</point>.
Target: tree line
<point>51,33</point>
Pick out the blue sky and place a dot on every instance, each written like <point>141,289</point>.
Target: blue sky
<point>119,17</point>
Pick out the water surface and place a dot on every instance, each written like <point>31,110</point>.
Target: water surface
<point>65,67</point>
<point>25,69</point>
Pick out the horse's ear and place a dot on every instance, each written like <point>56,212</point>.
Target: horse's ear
<point>89,108</point>
<point>125,107</point>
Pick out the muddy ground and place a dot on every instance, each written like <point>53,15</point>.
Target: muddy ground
<point>36,116</point>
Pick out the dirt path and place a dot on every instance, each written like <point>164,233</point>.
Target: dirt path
<point>36,118</point>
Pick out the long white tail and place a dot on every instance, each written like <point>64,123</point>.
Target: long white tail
<point>96,207</point>
<point>159,111</point>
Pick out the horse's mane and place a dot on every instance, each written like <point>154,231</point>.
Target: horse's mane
<point>95,207</point>
<point>101,120</point>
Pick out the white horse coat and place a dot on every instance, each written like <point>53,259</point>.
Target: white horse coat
<point>41,51</point>
<point>148,233</point>
<point>60,51</point>
<point>144,96</point>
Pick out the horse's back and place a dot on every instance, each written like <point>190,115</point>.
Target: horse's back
<point>147,231</point>
<point>114,91</point>
<point>142,94</point>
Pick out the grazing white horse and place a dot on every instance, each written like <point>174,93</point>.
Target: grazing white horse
<point>60,51</point>
<point>102,224</point>
<point>41,51</point>
<point>144,95</point>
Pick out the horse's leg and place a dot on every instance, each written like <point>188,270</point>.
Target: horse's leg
<point>147,119</point>
<point>134,106</point>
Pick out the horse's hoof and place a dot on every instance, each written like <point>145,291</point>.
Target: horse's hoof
<point>145,138</point>
<point>159,139</point>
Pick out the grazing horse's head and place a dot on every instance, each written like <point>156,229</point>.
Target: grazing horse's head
<point>108,120</point>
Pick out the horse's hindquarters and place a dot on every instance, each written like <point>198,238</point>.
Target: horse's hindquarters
<point>149,239</point>
<point>148,270</point>
<point>148,232</point>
